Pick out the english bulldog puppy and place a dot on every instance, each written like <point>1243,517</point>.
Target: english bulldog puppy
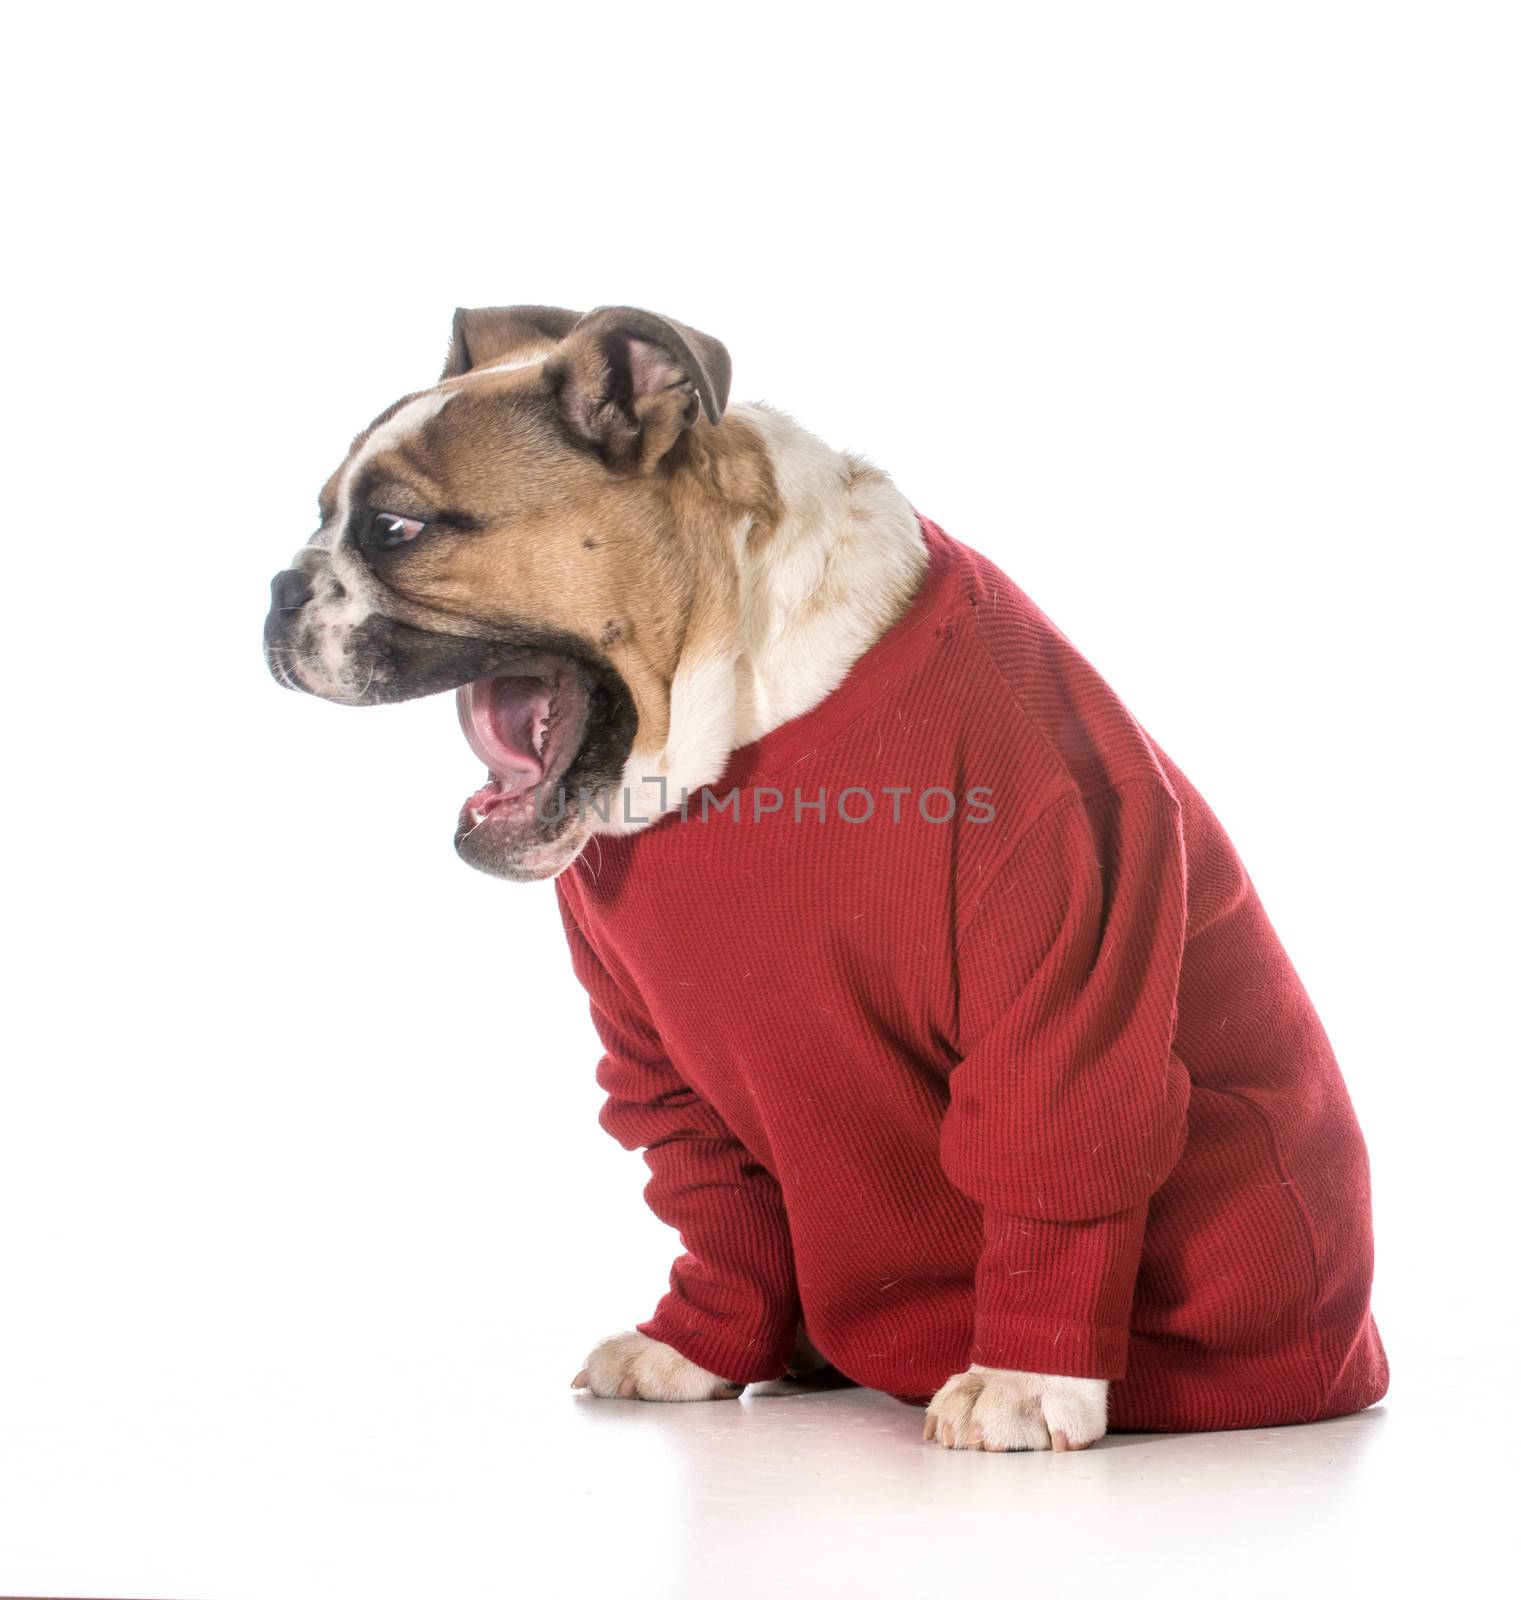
<point>938,1000</point>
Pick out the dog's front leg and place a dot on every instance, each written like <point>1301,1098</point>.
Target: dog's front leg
<point>731,1312</point>
<point>1068,1110</point>
<point>987,1408</point>
<point>632,1366</point>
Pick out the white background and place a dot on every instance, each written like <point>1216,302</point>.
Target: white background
<point>1201,320</point>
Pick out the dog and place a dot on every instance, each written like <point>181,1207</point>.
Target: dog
<point>971,1066</point>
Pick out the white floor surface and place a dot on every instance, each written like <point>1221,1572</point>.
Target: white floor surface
<point>530,1490</point>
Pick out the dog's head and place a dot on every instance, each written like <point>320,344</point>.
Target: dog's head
<point>532,532</point>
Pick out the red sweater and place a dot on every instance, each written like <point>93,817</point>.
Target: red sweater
<point>1035,1086</point>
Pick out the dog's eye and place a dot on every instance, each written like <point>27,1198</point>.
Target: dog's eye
<point>389,530</point>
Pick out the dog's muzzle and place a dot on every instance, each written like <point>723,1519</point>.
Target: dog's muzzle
<point>540,708</point>
<point>325,639</point>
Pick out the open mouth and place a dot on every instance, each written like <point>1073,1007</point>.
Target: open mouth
<point>527,725</point>
<point>551,718</point>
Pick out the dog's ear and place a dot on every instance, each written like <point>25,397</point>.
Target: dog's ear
<point>630,383</point>
<point>494,333</point>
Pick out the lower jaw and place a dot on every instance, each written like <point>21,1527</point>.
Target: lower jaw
<point>528,831</point>
<point>528,724</point>
<point>523,851</point>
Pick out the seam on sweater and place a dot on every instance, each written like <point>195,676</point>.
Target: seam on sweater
<point>1007,854</point>
<point>1074,795</point>
<point>1105,1344</point>
<point>1018,1320</point>
<point>1155,771</point>
<point>1312,1243</point>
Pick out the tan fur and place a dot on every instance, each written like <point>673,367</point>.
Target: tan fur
<point>481,338</point>
<point>639,565</point>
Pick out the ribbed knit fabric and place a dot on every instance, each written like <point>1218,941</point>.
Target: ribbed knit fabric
<point>1034,1087</point>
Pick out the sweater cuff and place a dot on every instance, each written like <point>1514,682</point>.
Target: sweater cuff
<point>1065,1349</point>
<point>744,1361</point>
<point>1054,1297</point>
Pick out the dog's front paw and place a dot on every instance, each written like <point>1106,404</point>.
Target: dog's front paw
<point>986,1408</point>
<point>632,1366</point>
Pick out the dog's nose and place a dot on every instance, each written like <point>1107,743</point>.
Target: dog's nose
<point>289,590</point>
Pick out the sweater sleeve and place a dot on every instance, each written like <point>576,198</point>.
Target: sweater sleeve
<point>732,1306</point>
<point>1069,1106</point>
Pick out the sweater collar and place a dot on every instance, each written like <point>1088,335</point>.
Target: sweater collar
<point>885,664</point>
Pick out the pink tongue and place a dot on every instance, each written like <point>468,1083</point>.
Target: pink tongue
<point>501,718</point>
